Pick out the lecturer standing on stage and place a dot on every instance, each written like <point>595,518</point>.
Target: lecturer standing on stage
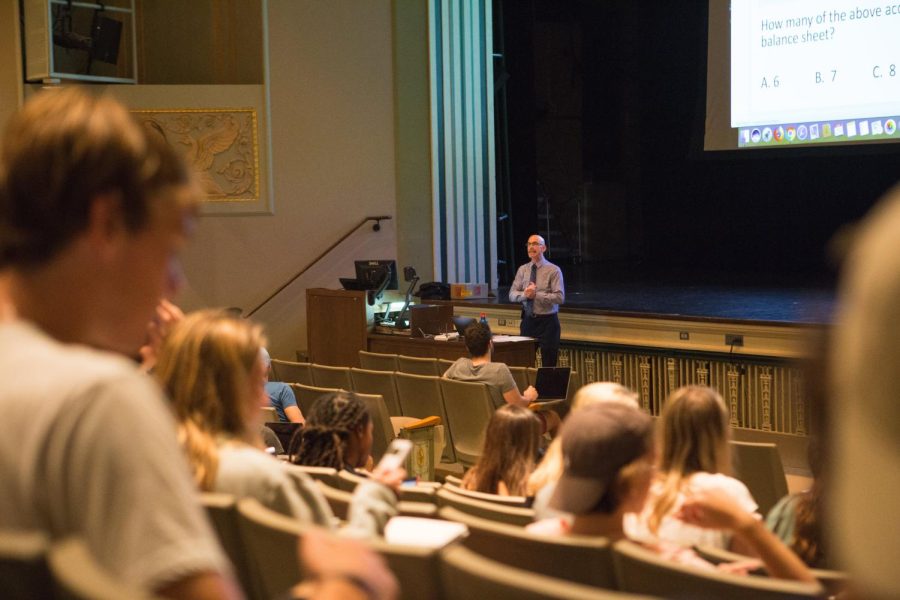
<point>539,287</point>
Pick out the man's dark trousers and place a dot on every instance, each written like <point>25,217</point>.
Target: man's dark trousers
<point>545,328</point>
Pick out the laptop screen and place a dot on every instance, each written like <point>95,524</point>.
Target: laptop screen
<point>552,383</point>
<point>461,323</point>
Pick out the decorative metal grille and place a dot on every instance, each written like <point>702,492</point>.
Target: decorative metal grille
<point>765,395</point>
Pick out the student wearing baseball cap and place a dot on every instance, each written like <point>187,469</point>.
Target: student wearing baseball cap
<point>608,458</point>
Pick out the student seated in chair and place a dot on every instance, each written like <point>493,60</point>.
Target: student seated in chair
<point>609,460</point>
<point>212,368</point>
<point>281,396</point>
<point>695,458</point>
<point>510,451</point>
<point>338,434</point>
<point>94,212</point>
<point>544,477</point>
<point>479,368</point>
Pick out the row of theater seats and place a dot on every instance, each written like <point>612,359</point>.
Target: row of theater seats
<point>465,409</point>
<point>32,567</point>
<point>332,376</point>
<point>498,558</point>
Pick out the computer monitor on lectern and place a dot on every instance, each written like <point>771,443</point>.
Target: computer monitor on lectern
<point>370,274</point>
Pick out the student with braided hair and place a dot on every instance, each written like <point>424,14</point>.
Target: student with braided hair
<point>212,369</point>
<point>338,433</point>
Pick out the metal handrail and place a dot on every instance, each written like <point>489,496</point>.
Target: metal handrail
<point>375,227</point>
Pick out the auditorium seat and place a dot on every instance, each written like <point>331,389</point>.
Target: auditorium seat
<point>643,571</point>
<point>453,480</point>
<point>759,466</point>
<point>466,575</point>
<point>78,576</point>
<point>376,361</point>
<point>338,500</point>
<point>421,492</point>
<point>307,396</point>
<point>270,542</point>
<point>580,559</point>
<point>367,381</point>
<point>469,408</point>
<point>421,396</point>
<point>417,366</point>
<point>291,372</point>
<point>487,497</point>
<point>331,377</point>
<point>327,475</point>
<point>444,364</point>
<point>512,515</point>
<point>833,581</point>
<point>269,414</point>
<point>417,569</point>
<point>222,512</point>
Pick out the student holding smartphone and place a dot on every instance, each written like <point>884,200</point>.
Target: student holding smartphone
<point>212,369</point>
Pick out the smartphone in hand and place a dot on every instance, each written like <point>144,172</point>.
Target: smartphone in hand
<point>395,455</point>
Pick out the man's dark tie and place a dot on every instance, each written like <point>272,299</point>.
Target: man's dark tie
<point>529,303</point>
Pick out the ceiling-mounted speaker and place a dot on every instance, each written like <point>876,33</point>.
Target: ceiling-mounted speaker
<point>79,41</point>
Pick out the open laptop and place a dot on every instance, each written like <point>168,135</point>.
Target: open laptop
<point>552,383</point>
<point>461,323</point>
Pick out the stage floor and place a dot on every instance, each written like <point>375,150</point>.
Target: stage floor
<point>762,304</point>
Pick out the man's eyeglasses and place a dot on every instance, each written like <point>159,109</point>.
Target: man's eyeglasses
<point>534,244</point>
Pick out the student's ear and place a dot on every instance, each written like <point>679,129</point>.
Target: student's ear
<point>106,226</point>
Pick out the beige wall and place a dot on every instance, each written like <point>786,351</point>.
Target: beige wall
<point>332,161</point>
<point>332,100</point>
<point>412,128</point>
<point>201,41</point>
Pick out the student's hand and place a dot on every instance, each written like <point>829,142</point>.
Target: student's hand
<point>337,562</point>
<point>530,290</point>
<point>530,393</point>
<point>741,567</point>
<point>392,478</point>
<point>164,319</point>
<point>714,509</point>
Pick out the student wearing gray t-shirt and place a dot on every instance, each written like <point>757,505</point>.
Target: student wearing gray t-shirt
<point>499,380</point>
<point>480,369</point>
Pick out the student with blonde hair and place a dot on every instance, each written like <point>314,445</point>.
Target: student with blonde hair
<point>694,459</point>
<point>609,460</point>
<point>212,368</point>
<point>510,450</point>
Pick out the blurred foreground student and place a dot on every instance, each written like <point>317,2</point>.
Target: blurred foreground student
<point>93,215</point>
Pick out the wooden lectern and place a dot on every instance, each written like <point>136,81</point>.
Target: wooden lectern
<point>337,325</point>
